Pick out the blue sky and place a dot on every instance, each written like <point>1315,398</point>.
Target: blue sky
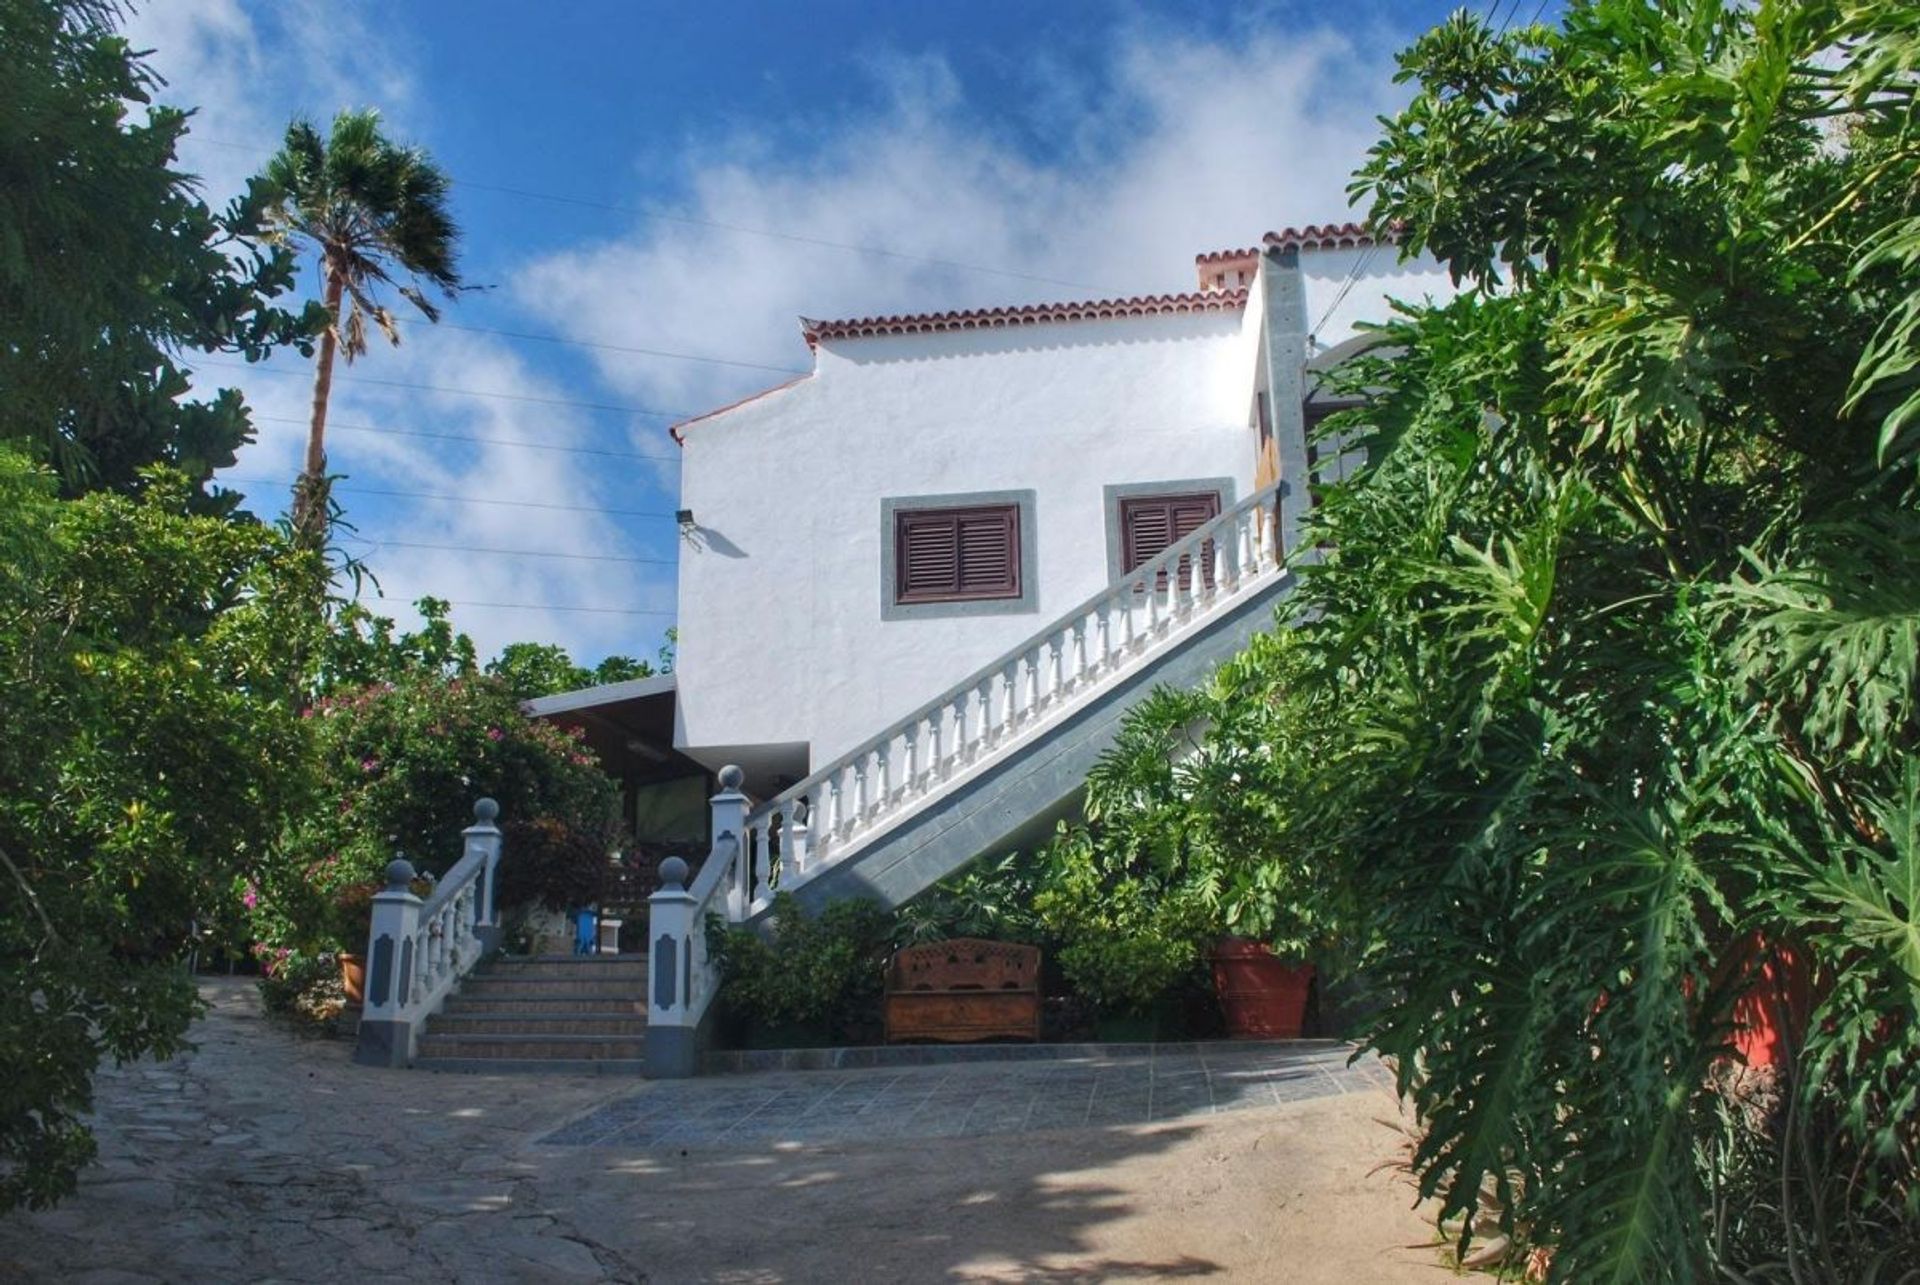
<point>689,179</point>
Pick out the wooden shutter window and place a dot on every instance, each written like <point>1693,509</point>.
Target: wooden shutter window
<point>956,555</point>
<point>1149,524</point>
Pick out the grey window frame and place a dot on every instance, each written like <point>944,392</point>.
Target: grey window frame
<point>1027,600</point>
<point>1114,493</point>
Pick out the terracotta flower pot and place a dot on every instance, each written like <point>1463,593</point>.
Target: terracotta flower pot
<point>1770,1014</point>
<point>353,977</point>
<point>1264,997</point>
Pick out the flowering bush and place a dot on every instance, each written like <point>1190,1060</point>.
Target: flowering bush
<point>400,765</point>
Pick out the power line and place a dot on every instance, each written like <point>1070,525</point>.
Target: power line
<point>462,437</point>
<point>462,392</point>
<point>511,553</point>
<point>689,220</point>
<point>457,499</point>
<point>643,352</point>
<point>540,606</point>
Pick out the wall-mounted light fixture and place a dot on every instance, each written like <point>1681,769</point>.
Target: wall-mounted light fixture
<point>685,518</point>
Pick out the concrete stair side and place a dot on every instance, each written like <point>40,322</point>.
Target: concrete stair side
<point>1016,801</point>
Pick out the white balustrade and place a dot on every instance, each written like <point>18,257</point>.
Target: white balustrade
<point>858,796</point>
<point>418,948</point>
<point>832,814</point>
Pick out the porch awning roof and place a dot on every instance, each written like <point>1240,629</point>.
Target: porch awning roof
<point>595,697</point>
<point>629,725</point>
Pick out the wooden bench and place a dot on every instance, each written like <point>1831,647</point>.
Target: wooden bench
<point>964,989</point>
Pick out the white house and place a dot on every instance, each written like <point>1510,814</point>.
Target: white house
<point>942,490</point>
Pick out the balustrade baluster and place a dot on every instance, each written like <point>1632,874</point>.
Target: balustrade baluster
<point>860,790</point>
<point>1056,676</point>
<point>1032,661</point>
<point>793,828</point>
<point>959,754</point>
<point>1009,679</point>
<point>936,765</point>
<point>1105,656</point>
<point>1077,667</point>
<point>883,777</point>
<point>760,885</point>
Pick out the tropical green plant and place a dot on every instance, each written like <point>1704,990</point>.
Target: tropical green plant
<point>991,898</point>
<point>1178,848</point>
<point>541,669</point>
<point>1604,662</point>
<point>92,342</point>
<point>398,767</point>
<point>149,752</point>
<point>368,209</point>
<point>825,970</point>
<point>555,864</point>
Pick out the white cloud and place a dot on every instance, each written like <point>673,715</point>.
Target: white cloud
<point>248,69</point>
<point>1172,146</point>
<point>1175,146</point>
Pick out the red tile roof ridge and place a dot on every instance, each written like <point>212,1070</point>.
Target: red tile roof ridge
<point>1023,315</point>
<point>1311,236</point>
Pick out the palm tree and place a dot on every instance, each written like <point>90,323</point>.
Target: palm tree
<point>369,209</point>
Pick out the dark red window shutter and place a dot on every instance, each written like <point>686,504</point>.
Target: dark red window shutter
<point>955,555</point>
<point>1150,523</point>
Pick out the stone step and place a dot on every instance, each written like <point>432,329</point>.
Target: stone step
<point>622,966</point>
<point>548,1024</point>
<point>533,1066</point>
<point>469,1003</point>
<point>614,988</point>
<point>525,1048</point>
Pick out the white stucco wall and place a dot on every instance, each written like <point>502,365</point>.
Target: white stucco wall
<point>781,638</point>
<point>1383,276</point>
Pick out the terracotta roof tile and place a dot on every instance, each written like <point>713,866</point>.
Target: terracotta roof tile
<point>1027,315</point>
<point>1326,236</point>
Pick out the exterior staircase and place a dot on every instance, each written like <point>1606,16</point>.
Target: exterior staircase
<point>986,766</point>
<point>994,761</point>
<point>556,1013</point>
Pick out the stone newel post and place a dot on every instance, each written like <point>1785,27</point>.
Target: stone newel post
<point>386,1034</point>
<point>483,837</point>
<point>677,1000</point>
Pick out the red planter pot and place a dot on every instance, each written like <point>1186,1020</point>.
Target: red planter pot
<point>1263,996</point>
<point>1770,1016</point>
<point>353,977</point>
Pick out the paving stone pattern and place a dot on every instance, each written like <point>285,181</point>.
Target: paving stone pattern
<point>970,1099</point>
<point>261,1156</point>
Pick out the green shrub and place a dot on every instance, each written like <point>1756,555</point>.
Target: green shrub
<point>992,899</point>
<point>400,766</point>
<point>827,970</point>
<point>553,864</point>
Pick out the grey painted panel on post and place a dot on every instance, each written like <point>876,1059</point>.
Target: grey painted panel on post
<point>380,971</point>
<point>1035,785</point>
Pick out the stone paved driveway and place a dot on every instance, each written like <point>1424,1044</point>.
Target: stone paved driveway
<point>970,1099</point>
<point>260,1156</point>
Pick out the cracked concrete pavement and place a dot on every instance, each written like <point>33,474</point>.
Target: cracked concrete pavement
<point>264,1156</point>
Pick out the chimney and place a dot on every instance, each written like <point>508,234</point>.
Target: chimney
<point>1226,269</point>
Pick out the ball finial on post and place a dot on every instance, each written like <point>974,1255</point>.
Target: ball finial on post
<point>673,875</point>
<point>399,874</point>
<point>485,811</point>
<point>731,777</point>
